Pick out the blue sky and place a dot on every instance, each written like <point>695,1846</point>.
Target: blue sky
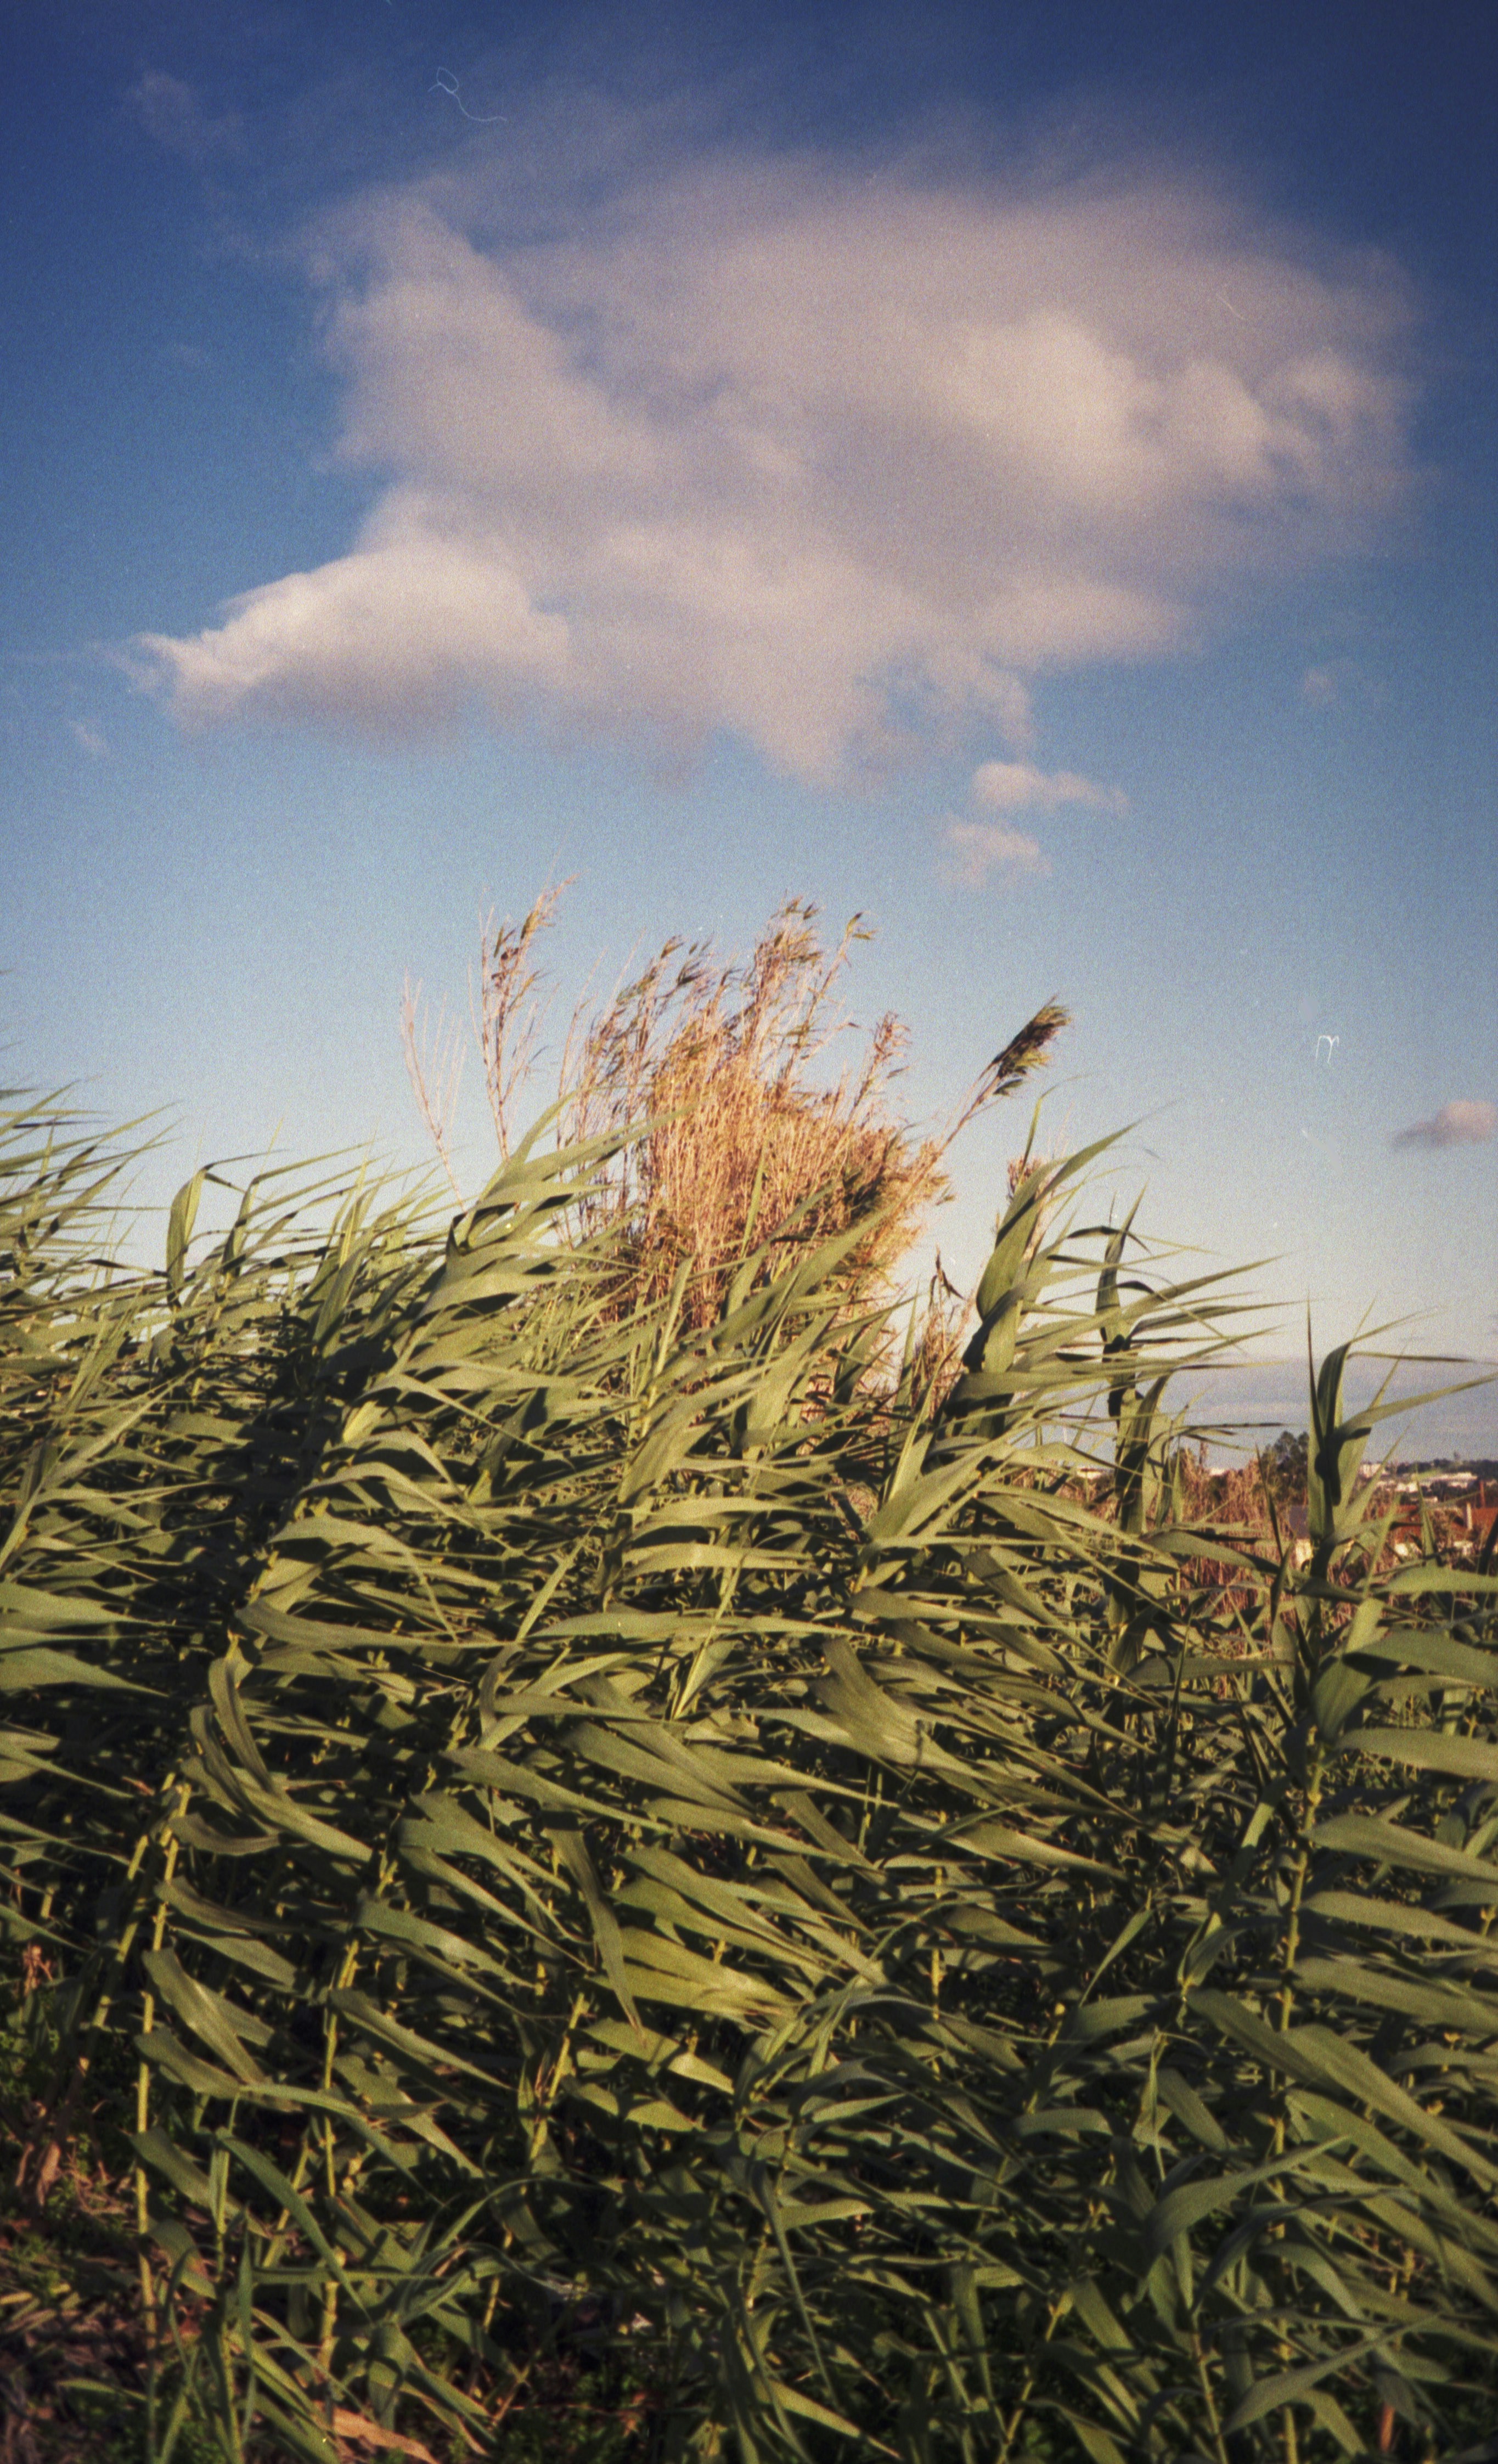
<point>1027,474</point>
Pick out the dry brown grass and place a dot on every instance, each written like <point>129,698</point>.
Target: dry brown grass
<point>743,1145</point>
<point>721,1069</point>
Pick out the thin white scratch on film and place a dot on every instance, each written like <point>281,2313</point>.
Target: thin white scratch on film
<point>447,84</point>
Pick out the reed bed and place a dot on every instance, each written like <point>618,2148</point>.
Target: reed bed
<point>608,1865</point>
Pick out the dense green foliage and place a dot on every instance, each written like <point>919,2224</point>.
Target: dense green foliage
<point>709,1853</point>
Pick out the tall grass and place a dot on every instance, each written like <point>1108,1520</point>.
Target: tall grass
<point>613,1841</point>
<point>705,1083</point>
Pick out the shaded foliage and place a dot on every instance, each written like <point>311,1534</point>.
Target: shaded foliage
<point>628,1835</point>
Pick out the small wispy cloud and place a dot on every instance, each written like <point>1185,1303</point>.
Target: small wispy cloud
<point>172,112</point>
<point>88,739</point>
<point>1019,786</point>
<point>978,849</point>
<point>1340,684</point>
<point>975,849</point>
<point>1462,1123</point>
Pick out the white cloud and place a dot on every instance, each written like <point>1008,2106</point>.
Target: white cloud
<point>88,739</point>
<point>401,633</point>
<point>1018,786</point>
<point>979,848</point>
<point>835,466</point>
<point>1460,1123</point>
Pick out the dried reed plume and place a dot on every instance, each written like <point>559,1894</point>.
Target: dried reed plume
<point>742,1146</point>
<point>435,1066</point>
<point>741,1140</point>
<point>507,1008</point>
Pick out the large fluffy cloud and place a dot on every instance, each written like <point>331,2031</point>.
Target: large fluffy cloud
<point>824,461</point>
